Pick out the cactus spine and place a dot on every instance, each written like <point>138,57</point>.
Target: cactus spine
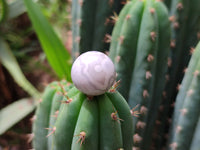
<point>139,49</point>
<point>75,121</point>
<point>187,112</point>
<point>91,23</point>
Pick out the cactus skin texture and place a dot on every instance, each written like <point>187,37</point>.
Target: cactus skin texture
<point>185,28</point>
<point>91,22</point>
<point>167,3</point>
<point>139,49</point>
<point>74,121</point>
<point>187,112</point>
<point>195,145</point>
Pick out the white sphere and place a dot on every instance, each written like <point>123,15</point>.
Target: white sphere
<point>93,73</point>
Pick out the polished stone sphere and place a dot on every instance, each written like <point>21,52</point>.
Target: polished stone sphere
<point>93,73</point>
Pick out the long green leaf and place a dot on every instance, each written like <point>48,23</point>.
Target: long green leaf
<point>10,63</point>
<point>57,55</point>
<point>14,112</point>
<point>3,8</point>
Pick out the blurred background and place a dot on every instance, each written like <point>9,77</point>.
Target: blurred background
<point>20,38</point>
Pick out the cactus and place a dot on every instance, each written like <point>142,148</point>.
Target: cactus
<point>185,18</point>
<point>139,48</point>
<point>92,24</point>
<point>74,120</point>
<point>187,112</point>
<point>167,3</point>
<point>195,144</point>
<point>185,28</point>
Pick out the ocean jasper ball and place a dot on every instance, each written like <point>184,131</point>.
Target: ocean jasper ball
<point>93,73</point>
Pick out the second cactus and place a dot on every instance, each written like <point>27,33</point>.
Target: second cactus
<point>139,49</point>
<point>91,23</point>
<point>74,121</point>
<point>187,112</point>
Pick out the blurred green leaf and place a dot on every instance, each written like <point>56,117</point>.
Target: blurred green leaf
<point>14,112</point>
<point>15,9</point>
<point>57,55</point>
<point>3,9</point>
<point>10,63</point>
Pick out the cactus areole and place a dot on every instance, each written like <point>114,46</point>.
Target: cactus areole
<point>93,73</point>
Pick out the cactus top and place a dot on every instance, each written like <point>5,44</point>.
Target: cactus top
<point>93,73</point>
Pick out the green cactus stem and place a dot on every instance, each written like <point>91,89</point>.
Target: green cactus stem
<point>196,139</point>
<point>68,119</point>
<point>92,24</point>
<point>185,27</point>
<point>187,112</point>
<point>167,3</point>
<point>139,50</point>
<point>42,115</point>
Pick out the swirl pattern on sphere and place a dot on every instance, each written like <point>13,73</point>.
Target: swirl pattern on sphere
<point>93,73</point>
